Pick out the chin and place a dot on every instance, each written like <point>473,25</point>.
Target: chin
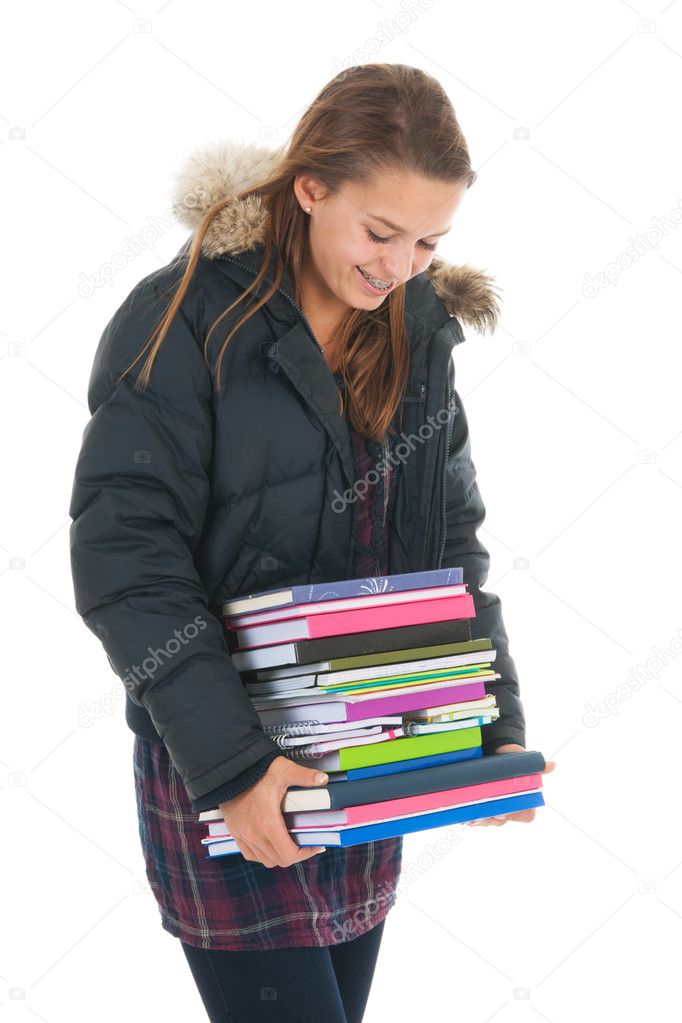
<point>367,302</point>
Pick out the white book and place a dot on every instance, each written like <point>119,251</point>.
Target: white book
<point>314,749</point>
<point>292,741</point>
<point>340,678</point>
<point>450,711</point>
<point>264,656</point>
<point>313,728</point>
<point>281,685</point>
<point>414,728</point>
<point>300,670</point>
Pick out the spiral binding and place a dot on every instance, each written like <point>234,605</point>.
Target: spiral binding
<point>281,741</point>
<point>296,728</point>
<point>302,753</point>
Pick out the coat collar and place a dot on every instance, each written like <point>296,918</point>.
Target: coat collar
<point>442,294</point>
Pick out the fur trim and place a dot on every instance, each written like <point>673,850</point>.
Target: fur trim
<point>467,293</point>
<point>217,170</point>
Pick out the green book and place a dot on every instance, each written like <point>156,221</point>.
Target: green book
<point>417,653</point>
<point>391,750</point>
<point>465,674</point>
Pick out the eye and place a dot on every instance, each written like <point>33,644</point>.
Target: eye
<point>384,241</point>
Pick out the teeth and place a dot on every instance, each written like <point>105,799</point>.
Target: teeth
<point>375,280</point>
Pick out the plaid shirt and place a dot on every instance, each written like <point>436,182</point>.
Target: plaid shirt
<point>232,903</point>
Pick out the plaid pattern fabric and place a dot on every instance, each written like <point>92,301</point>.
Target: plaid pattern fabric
<point>232,903</point>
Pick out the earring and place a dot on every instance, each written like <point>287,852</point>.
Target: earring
<point>308,209</point>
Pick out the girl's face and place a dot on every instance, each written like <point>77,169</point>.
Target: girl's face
<point>387,230</point>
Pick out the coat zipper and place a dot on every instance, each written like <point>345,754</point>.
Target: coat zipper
<point>443,485</point>
<point>416,397</point>
<point>285,294</point>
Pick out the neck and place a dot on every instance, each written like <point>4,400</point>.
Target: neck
<point>322,309</point>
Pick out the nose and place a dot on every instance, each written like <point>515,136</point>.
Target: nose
<point>399,268</point>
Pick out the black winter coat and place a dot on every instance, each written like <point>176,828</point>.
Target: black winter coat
<point>183,497</point>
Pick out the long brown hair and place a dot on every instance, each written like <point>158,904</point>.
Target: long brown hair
<point>368,118</point>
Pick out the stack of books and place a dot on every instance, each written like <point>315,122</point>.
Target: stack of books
<point>378,683</point>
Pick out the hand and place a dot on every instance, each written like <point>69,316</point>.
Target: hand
<point>254,818</point>
<point>520,815</point>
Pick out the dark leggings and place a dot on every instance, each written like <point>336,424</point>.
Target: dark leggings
<point>287,985</point>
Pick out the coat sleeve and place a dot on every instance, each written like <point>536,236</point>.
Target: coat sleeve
<point>465,514</point>
<point>138,504</point>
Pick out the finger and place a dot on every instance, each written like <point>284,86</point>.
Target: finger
<point>522,815</point>
<point>272,851</point>
<point>247,850</point>
<point>283,846</point>
<point>549,767</point>
<point>311,850</point>
<point>257,851</point>
<point>244,847</point>
<point>265,856</point>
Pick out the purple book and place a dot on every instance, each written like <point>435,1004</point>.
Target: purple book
<point>354,709</point>
<point>306,593</point>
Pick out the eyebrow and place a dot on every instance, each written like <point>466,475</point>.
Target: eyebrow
<point>394,227</point>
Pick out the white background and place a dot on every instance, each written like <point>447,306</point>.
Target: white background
<point>571,114</point>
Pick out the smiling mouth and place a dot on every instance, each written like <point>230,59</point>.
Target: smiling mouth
<point>376,282</point>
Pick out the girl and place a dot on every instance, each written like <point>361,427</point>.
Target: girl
<point>300,340</point>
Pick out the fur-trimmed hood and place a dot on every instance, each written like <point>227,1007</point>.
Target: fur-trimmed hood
<point>222,168</point>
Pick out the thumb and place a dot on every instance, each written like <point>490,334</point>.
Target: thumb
<point>301,775</point>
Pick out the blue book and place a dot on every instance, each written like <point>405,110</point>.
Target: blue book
<point>400,825</point>
<point>307,593</point>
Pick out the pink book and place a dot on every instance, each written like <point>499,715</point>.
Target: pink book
<point>369,813</point>
<point>364,600</point>
<point>341,623</point>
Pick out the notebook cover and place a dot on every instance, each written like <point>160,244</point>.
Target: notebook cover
<point>418,764</point>
<point>356,644</point>
<point>342,622</point>
<point>369,813</point>
<point>422,697</point>
<point>299,797</point>
<point>472,768</point>
<point>271,616</point>
<point>395,683</point>
<point>406,825</point>
<point>307,592</point>
<point>397,749</point>
<point>475,648</point>
<point>460,674</point>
